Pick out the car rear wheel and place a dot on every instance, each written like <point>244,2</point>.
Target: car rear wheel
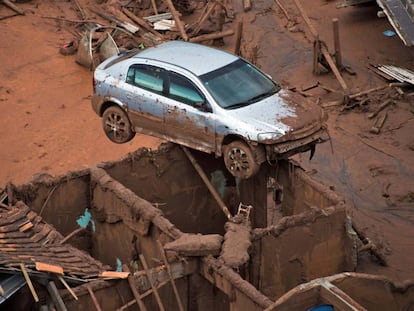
<point>116,125</point>
<point>239,160</point>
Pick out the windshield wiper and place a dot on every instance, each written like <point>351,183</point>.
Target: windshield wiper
<point>263,95</point>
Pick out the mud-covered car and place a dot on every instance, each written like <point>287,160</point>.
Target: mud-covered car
<point>205,99</point>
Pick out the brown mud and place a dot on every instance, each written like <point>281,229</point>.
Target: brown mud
<point>48,125</point>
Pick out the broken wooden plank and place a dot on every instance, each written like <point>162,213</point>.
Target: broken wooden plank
<point>94,300</point>
<point>29,282</point>
<point>340,300</point>
<point>379,109</point>
<point>154,7</point>
<point>211,36</point>
<point>209,9</point>
<point>176,15</point>
<point>206,180</point>
<point>164,258</point>
<point>323,48</point>
<point>67,287</point>
<point>13,7</point>
<point>56,298</point>
<point>154,288</point>
<point>133,286</point>
<point>239,34</point>
<point>41,266</point>
<point>70,235</point>
<point>282,8</point>
<point>141,22</point>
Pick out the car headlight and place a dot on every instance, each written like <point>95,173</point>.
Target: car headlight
<point>263,137</point>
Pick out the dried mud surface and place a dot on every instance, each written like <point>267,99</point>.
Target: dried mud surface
<point>48,126</point>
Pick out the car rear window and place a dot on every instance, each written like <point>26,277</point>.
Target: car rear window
<point>146,77</point>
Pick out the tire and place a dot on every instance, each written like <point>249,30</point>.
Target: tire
<point>239,160</point>
<point>116,125</point>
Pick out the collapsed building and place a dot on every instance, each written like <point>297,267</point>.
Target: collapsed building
<point>145,232</point>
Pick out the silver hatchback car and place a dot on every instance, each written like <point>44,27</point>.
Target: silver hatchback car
<point>205,99</point>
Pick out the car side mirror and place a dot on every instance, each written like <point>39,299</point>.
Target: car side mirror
<point>202,106</point>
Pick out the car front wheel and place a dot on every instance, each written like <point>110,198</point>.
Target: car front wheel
<point>239,160</point>
<point>116,125</point>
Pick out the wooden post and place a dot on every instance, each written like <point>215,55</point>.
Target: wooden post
<point>167,265</point>
<point>154,288</point>
<point>29,282</point>
<point>207,182</point>
<point>13,7</point>
<point>176,16</point>
<point>70,235</point>
<point>239,34</point>
<point>134,290</point>
<point>61,279</point>
<point>95,301</point>
<point>154,7</point>
<point>57,300</point>
<point>337,44</point>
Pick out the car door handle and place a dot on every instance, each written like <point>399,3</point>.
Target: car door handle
<point>169,110</point>
<point>129,96</point>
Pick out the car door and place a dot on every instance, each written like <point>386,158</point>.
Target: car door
<point>188,117</point>
<point>143,92</point>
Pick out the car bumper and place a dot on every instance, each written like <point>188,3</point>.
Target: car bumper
<point>96,101</point>
<point>291,147</point>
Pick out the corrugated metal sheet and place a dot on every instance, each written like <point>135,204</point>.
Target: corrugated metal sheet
<point>398,73</point>
<point>400,13</point>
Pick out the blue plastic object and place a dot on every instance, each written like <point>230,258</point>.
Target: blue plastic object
<point>389,33</point>
<point>325,307</point>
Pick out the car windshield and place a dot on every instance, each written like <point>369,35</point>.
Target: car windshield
<point>238,84</point>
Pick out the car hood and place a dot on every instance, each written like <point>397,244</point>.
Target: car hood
<point>283,113</point>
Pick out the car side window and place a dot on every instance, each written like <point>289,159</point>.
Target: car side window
<point>183,90</point>
<point>147,77</point>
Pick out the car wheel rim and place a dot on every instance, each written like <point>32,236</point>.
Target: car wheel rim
<point>239,160</point>
<point>115,126</point>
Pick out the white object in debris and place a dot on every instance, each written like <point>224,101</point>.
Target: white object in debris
<point>164,24</point>
<point>398,73</point>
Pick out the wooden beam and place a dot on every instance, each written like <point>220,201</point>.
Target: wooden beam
<point>70,235</point>
<point>142,22</point>
<point>94,300</point>
<point>164,258</point>
<point>204,16</point>
<point>207,182</point>
<point>178,22</point>
<point>13,7</point>
<point>154,288</point>
<point>54,294</point>
<point>67,287</point>
<point>29,282</point>
<point>239,34</point>
<point>329,293</point>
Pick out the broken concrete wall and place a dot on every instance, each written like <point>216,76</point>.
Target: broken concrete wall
<point>283,190</point>
<point>167,178</point>
<point>301,191</point>
<point>300,248</point>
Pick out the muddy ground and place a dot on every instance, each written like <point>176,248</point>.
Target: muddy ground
<point>48,126</point>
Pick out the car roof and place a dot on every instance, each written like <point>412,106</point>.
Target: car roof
<point>197,58</point>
